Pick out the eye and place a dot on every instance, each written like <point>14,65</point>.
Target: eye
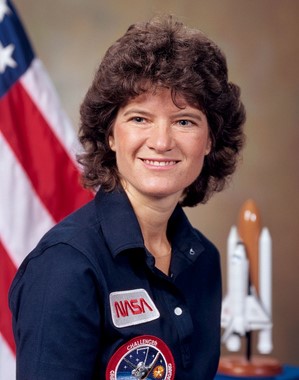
<point>185,123</point>
<point>138,119</point>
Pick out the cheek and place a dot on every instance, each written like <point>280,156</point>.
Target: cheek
<point>198,148</point>
<point>197,157</point>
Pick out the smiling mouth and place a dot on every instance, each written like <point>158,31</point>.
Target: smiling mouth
<point>159,163</point>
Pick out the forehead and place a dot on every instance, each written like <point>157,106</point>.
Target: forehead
<point>160,96</point>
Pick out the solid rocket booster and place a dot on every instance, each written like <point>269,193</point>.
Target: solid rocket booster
<point>265,344</point>
<point>232,241</point>
<point>233,342</point>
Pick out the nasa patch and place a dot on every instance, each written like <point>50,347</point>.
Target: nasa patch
<point>131,307</point>
<point>143,357</point>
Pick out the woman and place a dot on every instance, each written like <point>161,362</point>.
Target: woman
<point>125,287</point>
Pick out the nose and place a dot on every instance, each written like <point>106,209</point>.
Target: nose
<point>161,138</point>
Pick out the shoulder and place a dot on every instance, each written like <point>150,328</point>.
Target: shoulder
<point>184,233</point>
<point>66,250</point>
<point>80,232</point>
<point>58,265</point>
<point>209,246</point>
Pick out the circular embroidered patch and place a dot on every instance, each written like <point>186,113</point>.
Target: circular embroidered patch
<point>143,357</point>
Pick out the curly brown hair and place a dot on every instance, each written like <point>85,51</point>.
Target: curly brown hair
<point>163,52</point>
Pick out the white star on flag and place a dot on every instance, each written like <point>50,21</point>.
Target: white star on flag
<point>6,58</point>
<point>4,9</point>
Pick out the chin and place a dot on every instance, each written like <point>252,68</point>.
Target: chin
<point>163,193</point>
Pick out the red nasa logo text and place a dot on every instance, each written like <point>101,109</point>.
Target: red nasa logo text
<point>134,306</point>
<point>144,357</point>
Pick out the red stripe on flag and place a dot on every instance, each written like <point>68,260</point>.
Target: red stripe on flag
<point>51,171</point>
<point>7,272</point>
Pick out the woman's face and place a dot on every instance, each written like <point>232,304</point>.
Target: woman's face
<point>159,146</point>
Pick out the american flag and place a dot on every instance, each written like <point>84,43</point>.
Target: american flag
<point>39,178</point>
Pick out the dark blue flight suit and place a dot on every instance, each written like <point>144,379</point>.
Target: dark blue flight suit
<point>91,286</point>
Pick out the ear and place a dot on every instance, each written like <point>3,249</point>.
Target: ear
<point>112,143</point>
<point>208,147</point>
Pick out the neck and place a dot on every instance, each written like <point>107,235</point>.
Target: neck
<point>153,216</point>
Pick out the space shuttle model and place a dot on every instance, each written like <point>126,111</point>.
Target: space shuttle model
<point>248,303</point>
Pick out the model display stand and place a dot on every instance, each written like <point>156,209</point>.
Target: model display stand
<point>247,306</point>
<point>256,366</point>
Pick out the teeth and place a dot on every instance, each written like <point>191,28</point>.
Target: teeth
<point>159,163</point>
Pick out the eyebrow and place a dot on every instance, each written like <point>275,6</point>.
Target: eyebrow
<point>136,110</point>
<point>180,114</point>
<point>191,115</point>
